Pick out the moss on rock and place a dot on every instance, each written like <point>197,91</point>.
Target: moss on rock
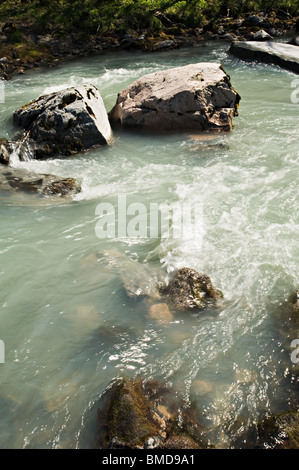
<point>136,414</point>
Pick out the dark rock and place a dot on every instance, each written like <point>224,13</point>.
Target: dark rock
<point>279,432</point>
<point>5,151</point>
<point>255,21</point>
<point>274,32</point>
<point>194,97</point>
<point>261,35</point>
<point>65,122</point>
<point>190,290</point>
<point>145,415</point>
<point>138,281</point>
<point>228,37</point>
<point>34,183</point>
<point>160,313</point>
<point>287,316</point>
<point>269,52</point>
<point>167,44</point>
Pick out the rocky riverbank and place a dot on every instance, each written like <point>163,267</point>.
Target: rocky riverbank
<point>33,50</point>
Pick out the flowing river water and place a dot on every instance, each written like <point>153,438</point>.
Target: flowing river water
<point>66,320</point>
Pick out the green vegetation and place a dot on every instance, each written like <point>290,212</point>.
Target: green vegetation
<point>125,16</point>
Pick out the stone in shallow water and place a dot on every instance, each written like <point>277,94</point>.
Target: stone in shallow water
<point>195,97</point>
<point>189,290</point>
<point>65,122</point>
<point>268,52</point>
<point>5,151</point>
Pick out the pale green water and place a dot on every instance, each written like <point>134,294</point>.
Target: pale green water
<point>66,321</point>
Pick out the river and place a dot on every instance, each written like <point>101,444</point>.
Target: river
<point>69,327</point>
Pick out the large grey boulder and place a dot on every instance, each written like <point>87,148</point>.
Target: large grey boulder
<point>269,52</point>
<point>65,122</point>
<point>194,97</point>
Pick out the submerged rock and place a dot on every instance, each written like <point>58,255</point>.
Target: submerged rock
<point>166,44</point>
<point>137,279</point>
<point>269,52</point>
<point>194,97</point>
<point>160,313</point>
<point>287,321</point>
<point>189,289</point>
<point>47,185</point>
<point>65,122</point>
<point>144,415</point>
<point>287,316</point>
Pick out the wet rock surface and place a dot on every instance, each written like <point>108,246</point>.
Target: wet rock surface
<point>47,48</point>
<point>279,432</point>
<point>295,41</point>
<point>193,97</point>
<point>65,122</point>
<point>284,55</point>
<point>5,151</point>
<point>12,179</point>
<point>135,414</point>
<point>189,290</point>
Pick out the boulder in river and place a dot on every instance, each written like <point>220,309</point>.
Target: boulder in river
<point>12,179</point>
<point>189,289</point>
<point>65,122</point>
<point>269,52</point>
<point>135,414</point>
<point>279,431</point>
<point>194,97</point>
